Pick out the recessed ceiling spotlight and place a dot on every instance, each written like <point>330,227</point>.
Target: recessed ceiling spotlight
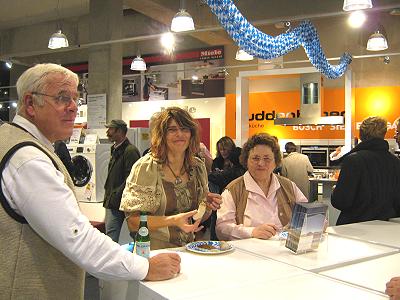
<point>8,64</point>
<point>168,41</point>
<point>356,19</point>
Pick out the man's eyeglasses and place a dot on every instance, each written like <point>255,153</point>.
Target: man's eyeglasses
<point>258,159</point>
<point>60,99</point>
<point>175,129</point>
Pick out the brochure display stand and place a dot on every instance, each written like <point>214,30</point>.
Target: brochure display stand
<point>306,227</point>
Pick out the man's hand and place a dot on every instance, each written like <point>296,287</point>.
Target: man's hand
<point>163,266</point>
<point>264,231</point>
<point>393,288</point>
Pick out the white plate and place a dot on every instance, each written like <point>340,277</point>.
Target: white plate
<point>209,247</point>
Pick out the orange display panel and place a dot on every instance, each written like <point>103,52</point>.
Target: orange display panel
<point>265,107</point>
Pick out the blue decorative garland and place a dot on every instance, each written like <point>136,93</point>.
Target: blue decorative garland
<point>261,45</point>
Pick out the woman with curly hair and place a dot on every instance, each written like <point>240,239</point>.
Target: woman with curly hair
<point>259,203</point>
<point>170,182</point>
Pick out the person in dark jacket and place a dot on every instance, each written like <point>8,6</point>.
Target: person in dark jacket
<point>225,168</point>
<point>221,178</point>
<point>60,148</point>
<point>224,147</point>
<point>368,187</point>
<point>123,156</point>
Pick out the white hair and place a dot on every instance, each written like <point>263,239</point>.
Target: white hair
<point>34,79</point>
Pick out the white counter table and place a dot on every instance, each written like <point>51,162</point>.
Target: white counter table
<point>380,232</point>
<point>342,268</point>
<point>205,275</point>
<point>333,252</point>
<point>307,286</point>
<point>372,274</point>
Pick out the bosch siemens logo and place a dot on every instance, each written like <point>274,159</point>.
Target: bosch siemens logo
<point>269,116</point>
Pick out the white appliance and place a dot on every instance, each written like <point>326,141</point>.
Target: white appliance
<point>140,137</point>
<point>102,158</point>
<point>85,193</point>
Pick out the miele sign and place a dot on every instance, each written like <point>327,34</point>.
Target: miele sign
<point>212,54</point>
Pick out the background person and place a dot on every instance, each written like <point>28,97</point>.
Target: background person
<point>123,156</point>
<point>368,187</point>
<point>219,179</point>
<point>224,147</point>
<point>45,241</point>
<point>260,202</point>
<point>397,133</point>
<point>170,182</point>
<point>60,148</point>
<point>297,167</point>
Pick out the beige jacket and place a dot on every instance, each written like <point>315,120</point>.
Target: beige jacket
<point>30,267</point>
<point>144,191</point>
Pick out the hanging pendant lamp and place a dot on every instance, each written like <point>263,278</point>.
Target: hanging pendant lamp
<point>138,64</point>
<point>182,21</point>
<point>349,5</point>
<point>377,42</point>
<point>243,55</point>
<point>58,40</point>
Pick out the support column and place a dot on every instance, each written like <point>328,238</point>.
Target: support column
<point>349,108</point>
<point>242,110</point>
<point>105,62</point>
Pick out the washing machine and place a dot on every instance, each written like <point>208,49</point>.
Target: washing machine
<point>85,155</point>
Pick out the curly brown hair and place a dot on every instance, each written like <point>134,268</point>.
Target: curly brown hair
<point>159,133</point>
<point>260,139</point>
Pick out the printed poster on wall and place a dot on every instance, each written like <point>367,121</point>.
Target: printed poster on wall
<point>96,114</point>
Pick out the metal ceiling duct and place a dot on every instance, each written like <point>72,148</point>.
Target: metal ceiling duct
<point>311,104</point>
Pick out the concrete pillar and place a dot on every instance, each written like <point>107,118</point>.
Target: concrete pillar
<point>105,62</point>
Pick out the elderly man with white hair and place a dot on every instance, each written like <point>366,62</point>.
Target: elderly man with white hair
<point>46,243</point>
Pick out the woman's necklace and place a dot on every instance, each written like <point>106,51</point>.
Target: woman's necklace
<point>178,179</point>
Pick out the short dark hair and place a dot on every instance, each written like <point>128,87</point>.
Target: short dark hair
<point>290,147</point>
<point>373,127</point>
<point>260,139</point>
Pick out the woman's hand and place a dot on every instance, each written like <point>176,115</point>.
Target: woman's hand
<point>264,231</point>
<point>182,221</point>
<point>214,201</point>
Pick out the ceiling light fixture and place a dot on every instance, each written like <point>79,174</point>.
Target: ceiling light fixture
<point>356,19</point>
<point>138,64</point>
<point>168,42</point>
<point>377,42</point>
<point>349,5</point>
<point>182,21</point>
<point>58,40</point>
<point>243,55</point>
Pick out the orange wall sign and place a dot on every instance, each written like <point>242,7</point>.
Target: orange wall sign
<point>264,107</point>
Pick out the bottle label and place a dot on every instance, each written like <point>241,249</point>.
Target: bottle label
<point>143,249</point>
<point>143,218</point>
<point>143,231</point>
